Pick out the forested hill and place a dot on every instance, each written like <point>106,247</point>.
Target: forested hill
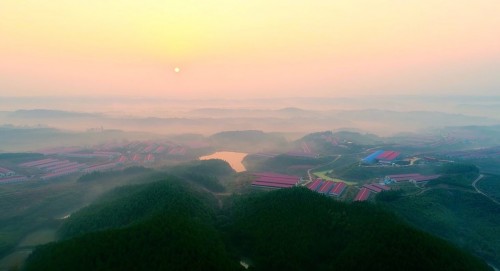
<point>167,225</point>
<point>158,226</point>
<point>134,204</point>
<point>296,229</point>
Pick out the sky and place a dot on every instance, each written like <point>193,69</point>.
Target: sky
<point>249,49</point>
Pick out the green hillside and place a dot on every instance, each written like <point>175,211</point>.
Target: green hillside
<point>133,204</point>
<point>167,225</point>
<point>158,226</point>
<point>461,216</point>
<point>296,229</point>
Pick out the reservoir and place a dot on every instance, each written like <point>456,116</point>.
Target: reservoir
<point>233,158</point>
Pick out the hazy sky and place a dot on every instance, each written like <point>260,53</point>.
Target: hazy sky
<point>255,48</point>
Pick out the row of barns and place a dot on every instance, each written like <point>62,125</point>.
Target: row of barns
<point>95,154</point>
<point>13,179</point>
<point>54,167</point>
<point>275,181</point>
<point>330,188</point>
<point>57,167</point>
<point>156,148</point>
<point>9,176</point>
<point>6,172</point>
<point>327,187</point>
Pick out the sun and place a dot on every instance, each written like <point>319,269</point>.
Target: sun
<point>177,69</point>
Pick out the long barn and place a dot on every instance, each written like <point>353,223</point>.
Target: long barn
<point>273,180</point>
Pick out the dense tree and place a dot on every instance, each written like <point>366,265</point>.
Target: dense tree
<point>457,168</point>
<point>296,229</point>
<point>172,241</point>
<point>131,204</point>
<point>205,173</point>
<point>389,195</point>
<point>158,226</point>
<point>167,225</point>
<point>102,176</point>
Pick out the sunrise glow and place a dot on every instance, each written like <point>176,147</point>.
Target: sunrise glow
<point>248,48</point>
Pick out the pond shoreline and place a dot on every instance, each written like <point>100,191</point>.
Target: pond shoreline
<point>234,159</point>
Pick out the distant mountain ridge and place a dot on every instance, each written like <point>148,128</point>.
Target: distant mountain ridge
<point>49,113</point>
<point>288,119</point>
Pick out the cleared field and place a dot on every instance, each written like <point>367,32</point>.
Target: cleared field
<point>340,162</point>
<point>322,175</point>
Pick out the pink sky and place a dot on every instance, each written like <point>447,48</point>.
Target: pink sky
<point>249,49</point>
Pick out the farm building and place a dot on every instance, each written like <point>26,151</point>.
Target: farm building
<point>423,178</point>
<point>149,158</point>
<point>60,173</point>
<point>314,186</point>
<point>96,154</point>
<point>54,167</point>
<point>326,187</point>
<point>13,179</point>
<point>109,154</point>
<point>362,195</point>
<point>160,149</point>
<point>177,151</point>
<point>122,159</point>
<point>376,188</point>
<point>100,167</point>
<point>149,148</point>
<point>137,158</point>
<point>273,180</point>
<point>38,162</point>
<point>62,165</point>
<point>381,156</point>
<point>413,177</point>
<point>338,189</point>
<point>6,172</point>
<point>372,158</point>
<point>51,164</point>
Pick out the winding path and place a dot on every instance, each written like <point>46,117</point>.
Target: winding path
<point>481,192</point>
<point>474,183</point>
<point>318,166</point>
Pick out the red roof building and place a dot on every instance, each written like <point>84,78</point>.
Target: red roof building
<point>362,195</point>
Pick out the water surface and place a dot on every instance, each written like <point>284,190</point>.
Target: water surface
<point>233,158</point>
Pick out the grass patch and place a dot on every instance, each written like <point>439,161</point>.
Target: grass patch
<point>322,175</point>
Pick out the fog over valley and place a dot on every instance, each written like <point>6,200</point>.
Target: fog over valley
<point>380,115</point>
